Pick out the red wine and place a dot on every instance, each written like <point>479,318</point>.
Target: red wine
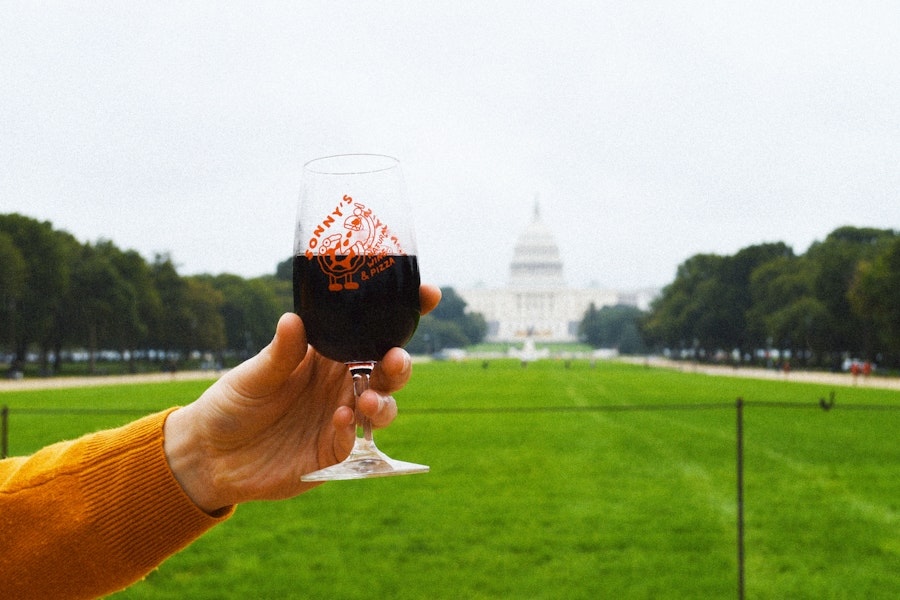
<point>356,308</point>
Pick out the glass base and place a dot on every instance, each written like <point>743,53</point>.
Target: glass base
<point>365,461</point>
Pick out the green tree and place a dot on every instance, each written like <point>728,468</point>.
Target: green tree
<point>191,319</point>
<point>200,313</point>
<point>46,282</point>
<point>169,287</point>
<point>706,306</point>
<point>102,305</point>
<point>875,296</point>
<point>285,270</point>
<point>12,286</point>
<point>784,310</point>
<point>613,327</point>
<point>135,331</point>
<point>675,316</point>
<point>453,310</point>
<point>434,335</point>
<point>448,326</point>
<point>837,259</point>
<point>249,310</point>
<point>591,329</point>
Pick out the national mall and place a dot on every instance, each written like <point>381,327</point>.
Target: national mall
<point>536,304</point>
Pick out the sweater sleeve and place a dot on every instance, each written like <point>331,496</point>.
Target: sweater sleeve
<point>89,517</point>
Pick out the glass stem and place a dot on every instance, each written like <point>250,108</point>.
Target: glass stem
<point>361,372</point>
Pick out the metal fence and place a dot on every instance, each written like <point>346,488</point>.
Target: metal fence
<point>738,405</point>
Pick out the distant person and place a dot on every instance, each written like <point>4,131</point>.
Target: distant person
<point>854,369</point>
<point>86,518</point>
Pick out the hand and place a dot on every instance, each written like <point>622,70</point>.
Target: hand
<point>283,413</point>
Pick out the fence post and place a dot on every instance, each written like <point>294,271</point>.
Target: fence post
<point>4,431</point>
<point>739,407</point>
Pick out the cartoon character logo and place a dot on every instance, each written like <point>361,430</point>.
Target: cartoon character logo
<point>343,249</point>
<point>343,254</point>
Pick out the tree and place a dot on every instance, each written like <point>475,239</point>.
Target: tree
<point>170,288</point>
<point>784,309</point>
<point>875,295</point>
<point>200,313</point>
<point>837,260</point>
<point>102,304</point>
<point>191,319</point>
<point>46,281</point>
<point>448,326</point>
<point>135,331</point>
<point>706,306</point>
<point>433,335</point>
<point>285,270</point>
<point>675,317</point>
<point>591,329</point>
<point>737,275</point>
<point>12,286</point>
<point>613,327</point>
<point>249,309</point>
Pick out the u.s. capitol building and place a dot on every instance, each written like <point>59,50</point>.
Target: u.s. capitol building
<point>536,304</point>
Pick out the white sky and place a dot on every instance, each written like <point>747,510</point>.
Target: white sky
<point>651,131</point>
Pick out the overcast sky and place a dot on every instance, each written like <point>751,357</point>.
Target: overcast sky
<point>649,131</point>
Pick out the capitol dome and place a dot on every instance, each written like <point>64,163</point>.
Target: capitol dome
<point>536,262</point>
<point>536,304</point>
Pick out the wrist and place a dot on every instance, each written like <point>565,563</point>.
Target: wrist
<point>188,461</point>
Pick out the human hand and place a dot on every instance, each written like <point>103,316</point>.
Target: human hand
<point>283,413</point>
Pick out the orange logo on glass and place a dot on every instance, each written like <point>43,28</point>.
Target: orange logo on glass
<point>352,245</point>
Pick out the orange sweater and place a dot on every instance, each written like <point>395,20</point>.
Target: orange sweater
<point>89,517</point>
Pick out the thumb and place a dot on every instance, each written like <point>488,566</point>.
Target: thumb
<point>288,347</point>
<point>270,368</point>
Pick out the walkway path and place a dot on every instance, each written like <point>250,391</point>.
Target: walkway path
<point>46,383</point>
<point>842,379</point>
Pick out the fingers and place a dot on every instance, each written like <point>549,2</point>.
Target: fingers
<point>391,374</point>
<point>429,297</point>
<point>380,409</point>
<point>392,371</point>
<point>376,403</point>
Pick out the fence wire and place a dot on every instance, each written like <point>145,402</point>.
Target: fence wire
<point>738,406</point>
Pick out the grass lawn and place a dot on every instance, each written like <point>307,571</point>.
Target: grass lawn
<point>543,487</point>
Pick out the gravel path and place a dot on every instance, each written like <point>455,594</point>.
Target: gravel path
<point>842,379</point>
<point>47,383</point>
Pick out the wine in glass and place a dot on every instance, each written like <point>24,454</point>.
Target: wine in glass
<point>356,281</point>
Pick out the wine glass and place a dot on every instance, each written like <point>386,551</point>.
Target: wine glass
<point>356,281</point>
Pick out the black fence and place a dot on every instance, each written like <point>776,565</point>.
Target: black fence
<point>739,405</point>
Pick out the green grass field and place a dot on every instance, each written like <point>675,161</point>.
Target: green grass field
<point>539,489</point>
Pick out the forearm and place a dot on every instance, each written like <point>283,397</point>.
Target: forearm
<point>86,518</point>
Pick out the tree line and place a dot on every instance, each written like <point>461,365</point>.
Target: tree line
<point>58,294</point>
<point>839,299</point>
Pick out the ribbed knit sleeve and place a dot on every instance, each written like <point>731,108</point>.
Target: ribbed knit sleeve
<point>86,518</point>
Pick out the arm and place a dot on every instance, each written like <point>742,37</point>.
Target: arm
<point>83,518</point>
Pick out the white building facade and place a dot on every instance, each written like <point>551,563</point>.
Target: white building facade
<point>536,303</point>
